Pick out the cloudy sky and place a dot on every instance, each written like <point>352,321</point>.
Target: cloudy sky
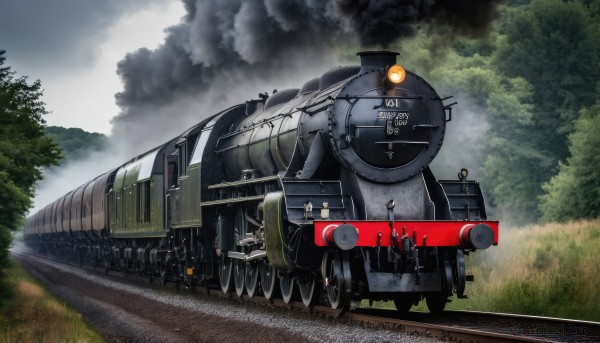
<point>73,47</point>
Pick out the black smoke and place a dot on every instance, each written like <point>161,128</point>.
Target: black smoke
<point>226,51</point>
<point>380,22</point>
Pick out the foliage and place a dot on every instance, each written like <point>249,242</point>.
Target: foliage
<point>552,45</point>
<point>24,150</point>
<point>29,314</point>
<point>575,191</point>
<point>75,142</point>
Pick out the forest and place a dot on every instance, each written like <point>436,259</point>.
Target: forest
<point>76,143</point>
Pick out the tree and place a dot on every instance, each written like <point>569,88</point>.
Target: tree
<point>575,191</point>
<point>76,143</point>
<point>553,45</point>
<point>24,150</point>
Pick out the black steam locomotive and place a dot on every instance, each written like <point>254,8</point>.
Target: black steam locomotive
<point>322,193</point>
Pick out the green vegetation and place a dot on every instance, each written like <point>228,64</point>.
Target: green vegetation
<point>575,191</point>
<point>553,45</point>
<point>24,150</point>
<point>29,314</point>
<point>548,270</point>
<point>76,143</point>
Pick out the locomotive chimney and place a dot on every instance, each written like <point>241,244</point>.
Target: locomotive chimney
<point>376,59</point>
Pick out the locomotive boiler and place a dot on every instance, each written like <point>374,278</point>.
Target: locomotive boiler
<point>322,193</point>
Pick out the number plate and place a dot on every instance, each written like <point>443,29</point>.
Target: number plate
<point>391,103</point>
<point>400,115</point>
<point>394,121</point>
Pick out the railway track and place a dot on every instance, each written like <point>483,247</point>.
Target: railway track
<point>501,326</point>
<point>463,326</point>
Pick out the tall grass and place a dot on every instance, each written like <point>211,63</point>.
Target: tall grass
<point>551,270</point>
<point>29,314</point>
<point>548,270</point>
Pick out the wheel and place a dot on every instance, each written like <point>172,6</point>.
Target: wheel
<point>447,280</point>
<point>286,283</point>
<point>123,266</point>
<point>404,302</point>
<point>140,268</point>
<point>163,275</point>
<point>308,289</point>
<point>239,276</point>
<point>436,302</point>
<point>225,271</point>
<point>239,233</point>
<point>268,278</point>
<point>152,274</point>
<point>337,283</point>
<point>459,273</point>
<point>252,278</point>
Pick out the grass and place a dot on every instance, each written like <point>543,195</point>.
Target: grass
<point>548,270</point>
<point>28,313</point>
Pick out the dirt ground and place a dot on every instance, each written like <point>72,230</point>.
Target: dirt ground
<point>124,317</point>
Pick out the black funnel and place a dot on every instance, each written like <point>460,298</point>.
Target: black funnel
<point>377,59</point>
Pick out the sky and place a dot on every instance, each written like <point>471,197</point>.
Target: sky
<point>73,47</point>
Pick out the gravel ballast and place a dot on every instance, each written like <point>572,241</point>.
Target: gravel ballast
<point>123,311</point>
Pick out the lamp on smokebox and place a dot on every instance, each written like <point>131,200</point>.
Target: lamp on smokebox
<point>396,74</point>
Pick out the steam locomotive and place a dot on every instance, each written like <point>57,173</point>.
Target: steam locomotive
<point>321,194</point>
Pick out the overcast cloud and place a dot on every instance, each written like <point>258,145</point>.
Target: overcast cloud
<point>59,35</point>
<point>73,47</point>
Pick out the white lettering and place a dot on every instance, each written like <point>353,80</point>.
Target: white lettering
<point>393,115</point>
<point>389,129</point>
<point>391,103</point>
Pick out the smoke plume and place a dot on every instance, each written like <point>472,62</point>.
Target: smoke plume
<point>225,52</point>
